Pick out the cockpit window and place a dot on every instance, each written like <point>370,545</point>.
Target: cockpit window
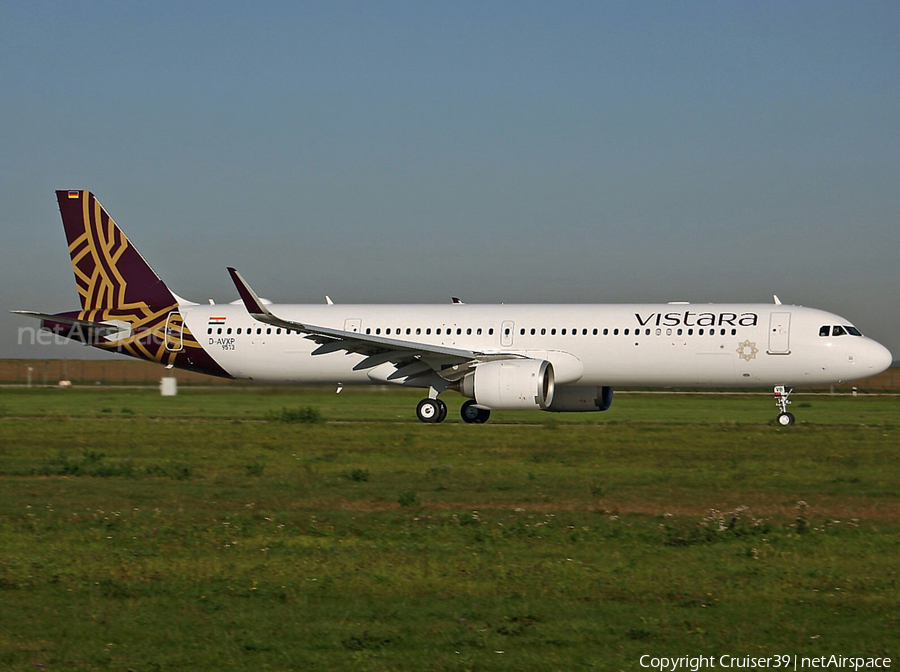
<point>825,331</point>
<point>838,330</point>
<point>853,331</point>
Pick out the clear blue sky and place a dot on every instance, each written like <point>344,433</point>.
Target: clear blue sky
<point>407,152</point>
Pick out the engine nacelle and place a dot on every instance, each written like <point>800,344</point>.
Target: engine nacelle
<point>511,385</point>
<point>581,398</point>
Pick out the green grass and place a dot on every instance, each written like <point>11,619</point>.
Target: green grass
<point>205,532</point>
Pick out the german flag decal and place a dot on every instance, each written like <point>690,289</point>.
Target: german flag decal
<point>74,194</point>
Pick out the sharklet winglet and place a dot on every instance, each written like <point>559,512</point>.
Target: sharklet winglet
<point>252,302</point>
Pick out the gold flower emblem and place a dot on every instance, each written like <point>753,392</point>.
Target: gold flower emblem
<point>747,350</point>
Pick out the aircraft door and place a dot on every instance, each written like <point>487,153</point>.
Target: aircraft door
<point>506,332</point>
<point>779,334</point>
<point>353,324</point>
<point>174,332</point>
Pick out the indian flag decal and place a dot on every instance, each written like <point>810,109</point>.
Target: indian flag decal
<point>216,320</point>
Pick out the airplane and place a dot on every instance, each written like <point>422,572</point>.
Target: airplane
<point>556,358</point>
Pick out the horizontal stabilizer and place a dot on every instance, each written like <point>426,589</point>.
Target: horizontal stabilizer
<point>97,327</point>
<point>86,327</point>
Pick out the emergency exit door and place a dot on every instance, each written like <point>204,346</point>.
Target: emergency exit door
<point>780,334</point>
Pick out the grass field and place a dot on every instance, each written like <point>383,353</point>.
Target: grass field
<point>232,529</point>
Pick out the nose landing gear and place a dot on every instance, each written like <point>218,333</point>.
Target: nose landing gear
<point>782,402</point>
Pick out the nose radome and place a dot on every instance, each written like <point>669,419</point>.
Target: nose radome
<point>879,357</point>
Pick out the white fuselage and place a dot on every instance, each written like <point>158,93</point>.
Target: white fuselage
<point>696,345</point>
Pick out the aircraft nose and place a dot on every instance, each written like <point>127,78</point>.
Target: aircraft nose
<point>879,357</point>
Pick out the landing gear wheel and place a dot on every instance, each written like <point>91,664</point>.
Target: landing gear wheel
<point>442,411</point>
<point>431,410</point>
<point>472,414</point>
<point>785,419</point>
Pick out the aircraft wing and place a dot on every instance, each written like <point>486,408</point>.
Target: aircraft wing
<point>410,359</point>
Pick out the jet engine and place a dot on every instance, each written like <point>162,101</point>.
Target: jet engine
<point>581,398</point>
<point>515,384</point>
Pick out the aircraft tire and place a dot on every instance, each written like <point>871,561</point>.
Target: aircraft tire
<point>442,411</point>
<point>786,419</point>
<point>473,415</point>
<point>429,410</point>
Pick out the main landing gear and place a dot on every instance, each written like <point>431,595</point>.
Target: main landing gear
<point>431,410</point>
<point>434,411</point>
<point>472,414</point>
<point>782,402</point>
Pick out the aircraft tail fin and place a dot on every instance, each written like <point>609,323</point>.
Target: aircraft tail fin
<point>110,273</point>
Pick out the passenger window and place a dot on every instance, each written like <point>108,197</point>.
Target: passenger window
<point>490,332</point>
<point>563,332</point>
<point>219,330</point>
<point>259,330</point>
<point>428,331</point>
<point>418,331</point>
<point>478,331</point>
<point>543,332</point>
<point>209,331</point>
<point>238,331</point>
<point>615,332</point>
<point>625,332</point>
<point>532,332</point>
<point>553,332</point>
<point>268,330</point>
<point>469,331</point>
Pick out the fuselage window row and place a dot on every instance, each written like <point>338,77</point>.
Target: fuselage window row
<point>824,331</point>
